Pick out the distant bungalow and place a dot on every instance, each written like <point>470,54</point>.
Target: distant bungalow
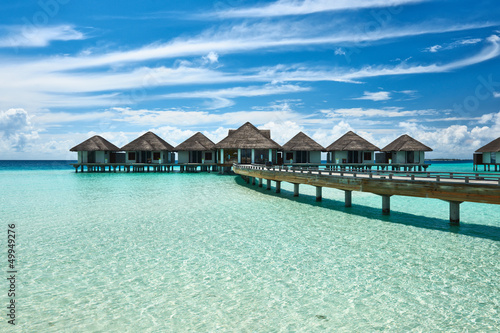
<point>246,145</point>
<point>351,149</point>
<point>149,148</point>
<point>302,149</point>
<point>488,155</point>
<point>404,150</point>
<point>197,149</point>
<point>96,150</point>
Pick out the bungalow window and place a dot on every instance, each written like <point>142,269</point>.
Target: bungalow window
<point>156,156</point>
<point>208,156</point>
<point>367,156</point>
<point>131,156</point>
<point>289,156</point>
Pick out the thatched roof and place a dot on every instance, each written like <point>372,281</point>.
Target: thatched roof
<point>148,142</point>
<point>264,132</point>
<point>492,147</point>
<point>247,137</point>
<point>406,143</point>
<point>351,141</point>
<point>302,142</point>
<point>197,142</point>
<point>95,143</point>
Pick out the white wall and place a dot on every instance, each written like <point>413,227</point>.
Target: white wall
<point>183,157</point>
<point>315,156</point>
<point>340,155</point>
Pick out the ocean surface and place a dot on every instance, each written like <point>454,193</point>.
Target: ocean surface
<point>208,253</point>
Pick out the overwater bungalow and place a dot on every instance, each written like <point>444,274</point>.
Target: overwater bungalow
<point>351,149</point>
<point>247,144</point>
<point>98,150</point>
<point>488,155</point>
<point>149,148</point>
<point>301,149</point>
<point>403,150</point>
<point>196,149</point>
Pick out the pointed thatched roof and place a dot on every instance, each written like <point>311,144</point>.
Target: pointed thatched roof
<point>197,142</point>
<point>302,142</point>
<point>351,141</point>
<point>95,143</point>
<point>492,147</point>
<point>264,132</point>
<point>148,142</point>
<point>406,143</point>
<point>247,137</point>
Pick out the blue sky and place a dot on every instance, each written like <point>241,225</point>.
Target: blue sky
<point>382,68</point>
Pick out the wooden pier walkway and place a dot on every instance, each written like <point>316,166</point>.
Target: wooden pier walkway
<point>453,187</point>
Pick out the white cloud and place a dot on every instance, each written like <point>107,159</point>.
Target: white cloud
<point>303,7</point>
<point>385,112</point>
<point>221,97</point>
<point>31,36</point>
<point>179,117</point>
<point>455,141</point>
<point>453,45</point>
<point>339,51</point>
<point>283,130</point>
<point>434,48</point>
<point>496,94</point>
<point>211,57</point>
<point>16,129</point>
<point>293,73</point>
<point>375,96</point>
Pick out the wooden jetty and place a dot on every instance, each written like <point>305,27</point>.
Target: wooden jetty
<point>453,187</point>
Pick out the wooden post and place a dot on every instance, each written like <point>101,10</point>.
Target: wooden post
<point>319,193</point>
<point>386,204</point>
<point>260,182</point>
<point>278,186</point>
<point>295,190</point>
<point>455,212</point>
<point>268,187</point>
<point>253,180</point>
<point>348,198</point>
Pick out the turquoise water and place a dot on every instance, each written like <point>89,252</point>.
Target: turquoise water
<point>209,253</point>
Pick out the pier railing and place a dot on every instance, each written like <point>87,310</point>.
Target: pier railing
<point>439,176</point>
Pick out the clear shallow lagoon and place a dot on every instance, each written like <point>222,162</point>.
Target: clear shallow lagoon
<point>204,252</point>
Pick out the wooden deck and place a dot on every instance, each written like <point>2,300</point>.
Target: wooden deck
<point>449,186</point>
<point>146,167</point>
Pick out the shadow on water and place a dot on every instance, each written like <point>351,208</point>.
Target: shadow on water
<point>418,221</point>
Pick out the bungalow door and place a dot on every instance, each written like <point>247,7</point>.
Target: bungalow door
<point>353,156</point>
<point>410,157</point>
<point>246,156</point>
<point>91,157</point>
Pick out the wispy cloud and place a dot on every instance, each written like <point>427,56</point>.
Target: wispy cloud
<point>31,36</point>
<point>244,38</point>
<point>453,45</point>
<point>385,112</point>
<point>375,96</point>
<point>282,73</point>
<point>178,117</point>
<point>303,7</point>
